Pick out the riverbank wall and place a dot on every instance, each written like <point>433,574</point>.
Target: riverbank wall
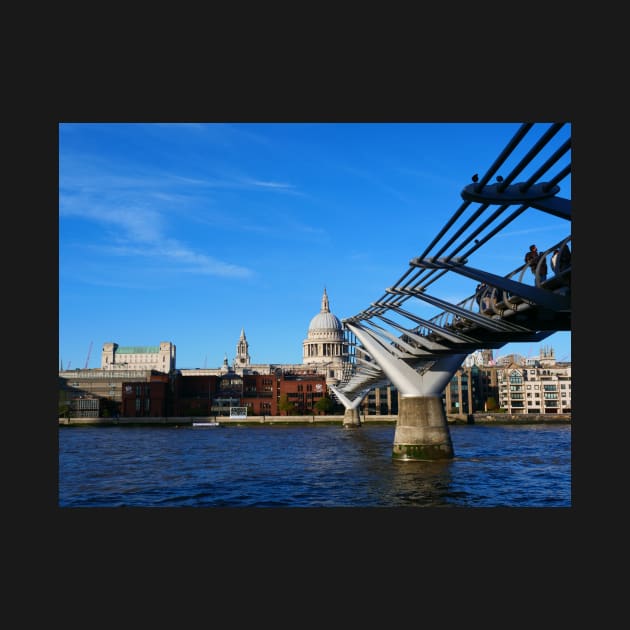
<point>474,418</point>
<point>508,418</point>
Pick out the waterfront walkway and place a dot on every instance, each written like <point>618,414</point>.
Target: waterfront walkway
<point>475,418</point>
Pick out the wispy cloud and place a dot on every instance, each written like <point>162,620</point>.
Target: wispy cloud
<point>269,186</point>
<point>262,184</point>
<point>140,232</point>
<point>173,252</point>
<point>134,205</point>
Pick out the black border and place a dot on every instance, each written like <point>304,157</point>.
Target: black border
<point>467,91</point>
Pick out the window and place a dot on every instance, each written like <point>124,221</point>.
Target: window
<point>516,378</point>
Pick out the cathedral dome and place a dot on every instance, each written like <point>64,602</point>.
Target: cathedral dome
<point>325,348</point>
<point>325,321</point>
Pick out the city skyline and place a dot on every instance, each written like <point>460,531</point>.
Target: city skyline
<point>191,232</point>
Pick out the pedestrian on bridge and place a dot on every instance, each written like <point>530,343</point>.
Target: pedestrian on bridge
<point>554,260</point>
<point>565,258</point>
<point>481,296</point>
<point>532,257</point>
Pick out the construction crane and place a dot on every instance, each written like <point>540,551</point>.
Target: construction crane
<point>87,360</point>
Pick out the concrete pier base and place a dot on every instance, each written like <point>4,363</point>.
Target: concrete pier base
<point>351,418</point>
<point>421,430</point>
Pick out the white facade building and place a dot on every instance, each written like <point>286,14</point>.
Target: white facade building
<point>160,358</point>
<point>324,345</point>
<point>535,389</point>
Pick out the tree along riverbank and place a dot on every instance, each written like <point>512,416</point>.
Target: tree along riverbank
<point>474,418</point>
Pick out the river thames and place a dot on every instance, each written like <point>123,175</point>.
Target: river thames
<point>310,466</point>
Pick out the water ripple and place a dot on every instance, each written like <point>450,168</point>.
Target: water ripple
<point>310,466</point>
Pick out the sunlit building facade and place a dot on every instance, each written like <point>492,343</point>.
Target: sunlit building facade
<point>144,381</point>
<point>161,357</point>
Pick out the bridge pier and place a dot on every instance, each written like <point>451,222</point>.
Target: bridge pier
<point>351,418</point>
<point>421,430</point>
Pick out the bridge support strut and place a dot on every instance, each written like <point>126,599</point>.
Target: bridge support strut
<point>352,415</point>
<point>421,430</point>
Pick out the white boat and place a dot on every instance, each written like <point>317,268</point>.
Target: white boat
<point>209,423</point>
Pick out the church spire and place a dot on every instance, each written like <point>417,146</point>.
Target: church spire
<point>242,351</point>
<point>325,305</point>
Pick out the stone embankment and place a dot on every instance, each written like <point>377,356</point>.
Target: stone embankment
<point>224,420</point>
<point>507,418</point>
<point>475,418</point>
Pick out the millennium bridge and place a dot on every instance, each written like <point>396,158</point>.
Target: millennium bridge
<point>388,344</point>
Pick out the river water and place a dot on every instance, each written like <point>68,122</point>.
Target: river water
<point>310,466</point>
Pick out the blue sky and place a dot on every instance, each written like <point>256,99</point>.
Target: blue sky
<point>191,232</point>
